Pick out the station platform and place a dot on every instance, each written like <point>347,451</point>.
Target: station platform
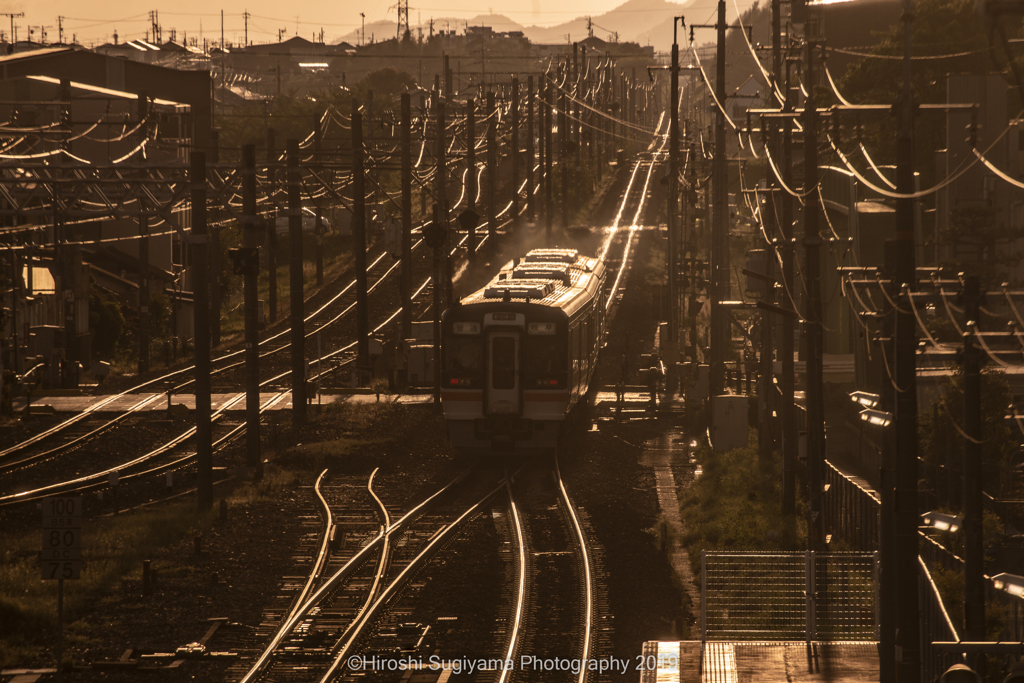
<point>760,662</point>
<point>187,402</point>
<point>635,403</point>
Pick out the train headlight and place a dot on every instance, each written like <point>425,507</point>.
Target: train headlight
<point>466,328</point>
<point>541,328</point>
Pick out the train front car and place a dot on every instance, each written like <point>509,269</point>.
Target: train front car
<point>518,354</point>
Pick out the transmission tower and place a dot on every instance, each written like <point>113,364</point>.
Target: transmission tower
<point>403,18</point>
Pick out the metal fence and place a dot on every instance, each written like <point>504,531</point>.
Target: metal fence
<point>851,511</point>
<point>936,626</point>
<point>789,596</point>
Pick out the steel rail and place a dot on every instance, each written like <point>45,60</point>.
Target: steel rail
<point>13,464</point>
<point>303,603</point>
<point>345,571</point>
<point>517,621</point>
<point>342,649</point>
<point>588,587</point>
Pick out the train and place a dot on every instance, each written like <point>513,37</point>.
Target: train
<point>519,354</point>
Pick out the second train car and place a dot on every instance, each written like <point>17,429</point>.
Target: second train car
<point>519,354</point>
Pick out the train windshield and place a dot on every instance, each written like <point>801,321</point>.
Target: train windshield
<point>503,351</point>
<point>544,361</point>
<point>463,360</point>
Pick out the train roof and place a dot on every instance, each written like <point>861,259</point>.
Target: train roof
<point>558,278</point>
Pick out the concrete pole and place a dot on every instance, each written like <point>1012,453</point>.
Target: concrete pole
<point>201,322</point>
<point>298,325</point>
<point>251,241</point>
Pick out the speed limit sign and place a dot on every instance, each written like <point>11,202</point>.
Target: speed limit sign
<point>61,557</point>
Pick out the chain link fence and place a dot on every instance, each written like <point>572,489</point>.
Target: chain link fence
<point>789,596</point>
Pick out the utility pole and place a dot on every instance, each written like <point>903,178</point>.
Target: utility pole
<point>144,294</point>
<point>908,658</point>
<point>436,238</point>
<point>548,217</point>
<point>298,325</point>
<point>272,226</point>
<point>250,262</point>
<point>515,151</point>
<point>673,189</point>
<point>214,255</point>
<point>443,281</point>
<point>144,289</point>
<point>974,550</point>
<point>13,16</point>
<point>720,336</point>
<point>813,324</point>
<point>201,322</point>
<point>887,579</point>
<point>359,244</point>
<point>563,163</point>
<point>785,324</point>
<point>246,15</point>
<point>542,146</point>
<point>789,430</point>
<point>530,204</point>
<point>471,183</point>
<point>492,166</point>
<point>406,274</point>
<point>318,159</point>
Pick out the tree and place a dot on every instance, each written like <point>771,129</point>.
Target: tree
<point>942,442</point>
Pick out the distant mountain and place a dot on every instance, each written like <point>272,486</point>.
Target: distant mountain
<point>647,22</point>
<point>632,20</point>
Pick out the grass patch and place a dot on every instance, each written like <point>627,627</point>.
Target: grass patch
<point>113,549</point>
<point>735,504</point>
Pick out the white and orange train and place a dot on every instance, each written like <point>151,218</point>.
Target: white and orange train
<point>519,354</point>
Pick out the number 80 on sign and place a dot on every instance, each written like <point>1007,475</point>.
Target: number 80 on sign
<point>61,556</point>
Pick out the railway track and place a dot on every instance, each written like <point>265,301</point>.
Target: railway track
<point>315,637</point>
<point>174,454</point>
<point>334,317</point>
<point>551,634</point>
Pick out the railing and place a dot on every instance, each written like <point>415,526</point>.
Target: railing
<point>789,596</point>
<point>851,511</point>
<point>936,626</point>
<point>1010,606</point>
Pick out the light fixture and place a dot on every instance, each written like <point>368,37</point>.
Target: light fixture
<point>865,399</point>
<point>941,521</point>
<point>1011,583</point>
<point>879,418</point>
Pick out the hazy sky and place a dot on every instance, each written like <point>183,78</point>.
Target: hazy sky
<point>94,21</point>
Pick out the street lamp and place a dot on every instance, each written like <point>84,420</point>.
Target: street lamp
<point>865,399</point>
<point>879,418</point>
<point>941,521</point>
<point>1011,583</point>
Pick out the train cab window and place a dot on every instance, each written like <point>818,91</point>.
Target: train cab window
<point>503,362</point>
<point>463,361</point>
<point>544,361</point>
